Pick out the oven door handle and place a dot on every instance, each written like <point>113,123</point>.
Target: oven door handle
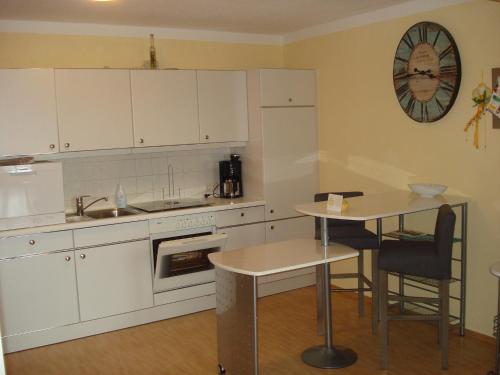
<point>192,244</point>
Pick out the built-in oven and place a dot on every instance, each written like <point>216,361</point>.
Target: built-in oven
<point>180,247</point>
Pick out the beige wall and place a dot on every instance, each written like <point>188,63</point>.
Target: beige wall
<point>367,142</point>
<point>18,50</point>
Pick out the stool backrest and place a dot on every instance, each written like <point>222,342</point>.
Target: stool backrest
<point>332,223</point>
<point>443,236</point>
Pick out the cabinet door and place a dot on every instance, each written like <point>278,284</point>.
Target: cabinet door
<point>94,109</point>
<point>37,292</point>
<point>289,229</point>
<point>285,87</point>
<point>28,120</point>
<point>290,153</point>
<point>244,235</point>
<point>114,279</point>
<point>222,100</point>
<point>165,107</point>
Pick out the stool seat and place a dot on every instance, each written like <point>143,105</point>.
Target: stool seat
<point>355,237</point>
<point>416,258</point>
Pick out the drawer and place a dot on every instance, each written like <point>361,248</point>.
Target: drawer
<point>239,216</point>
<point>35,243</point>
<point>111,233</point>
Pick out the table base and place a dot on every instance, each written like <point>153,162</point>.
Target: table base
<point>324,357</point>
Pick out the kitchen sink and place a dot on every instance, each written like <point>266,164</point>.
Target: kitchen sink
<point>76,219</point>
<point>108,213</point>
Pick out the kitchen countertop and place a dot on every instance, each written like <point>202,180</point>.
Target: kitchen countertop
<point>216,204</point>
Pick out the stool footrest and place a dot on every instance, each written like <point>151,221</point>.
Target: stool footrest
<point>414,317</point>
<point>412,299</point>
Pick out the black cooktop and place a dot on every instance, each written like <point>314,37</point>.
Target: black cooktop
<point>171,204</point>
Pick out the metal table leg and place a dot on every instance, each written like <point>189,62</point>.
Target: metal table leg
<point>401,275</point>
<point>327,355</point>
<point>375,281</point>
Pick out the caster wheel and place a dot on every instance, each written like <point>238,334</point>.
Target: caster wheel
<point>221,369</point>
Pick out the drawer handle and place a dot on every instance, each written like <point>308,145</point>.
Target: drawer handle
<point>242,214</point>
<point>67,258</point>
<point>32,242</point>
<point>66,145</point>
<point>52,146</point>
<point>290,100</point>
<point>207,137</point>
<point>271,211</point>
<point>83,256</point>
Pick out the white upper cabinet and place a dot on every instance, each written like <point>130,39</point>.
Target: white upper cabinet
<point>94,109</point>
<point>222,100</point>
<point>165,107</point>
<point>28,120</point>
<point>287,87</point>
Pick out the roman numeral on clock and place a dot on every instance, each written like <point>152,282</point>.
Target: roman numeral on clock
<point>422,33</point>
<point>402,90</point>
<point>400,75</point>
<point>446,86</point>
<point>441,107</point>
<point>448,69</point>
<point>410,105</point>
<point>446,52</point>
<point>436,38</point>
<point>408,41</point>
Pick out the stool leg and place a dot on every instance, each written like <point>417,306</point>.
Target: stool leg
<point>384,328</point>
<point>375,293</point>
<point>361,284</point>
<point>444,296</point>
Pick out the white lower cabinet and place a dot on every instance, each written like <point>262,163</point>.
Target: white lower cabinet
<point>289,229</point>
<point>114,279</point>
<point>244,235</point>
<point>37,292</point>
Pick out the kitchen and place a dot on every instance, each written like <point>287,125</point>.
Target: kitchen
<point>344,165</point>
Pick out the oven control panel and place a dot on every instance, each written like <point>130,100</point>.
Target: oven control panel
<point>174,223</point>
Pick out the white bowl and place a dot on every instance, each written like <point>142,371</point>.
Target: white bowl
<point>427,190</point>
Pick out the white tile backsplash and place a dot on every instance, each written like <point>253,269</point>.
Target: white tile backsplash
<point>144,177</point>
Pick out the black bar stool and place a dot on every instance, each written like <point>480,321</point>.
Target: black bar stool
<point>353,234</point>
<point>429,259</point>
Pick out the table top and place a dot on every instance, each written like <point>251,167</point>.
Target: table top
<point>375,206</point>
<point>279,257</point>
<point>495,269</point>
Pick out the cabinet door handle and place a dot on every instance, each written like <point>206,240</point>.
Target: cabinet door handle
<point>67,258</point>
<point>141,140</point>
<point>290,100</point>
<point>66,145</point>
<point>271,211</point>
<point>83,256</point>
<point>52,146</point>
<point>272,227</point>
<point>207,137</point>
<point>32,242</point>
<point>242,214</point>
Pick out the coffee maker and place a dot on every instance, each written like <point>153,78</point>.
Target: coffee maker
<point>230,177</point>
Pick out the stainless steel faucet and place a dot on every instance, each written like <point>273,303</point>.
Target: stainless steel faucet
<point>80,208</point>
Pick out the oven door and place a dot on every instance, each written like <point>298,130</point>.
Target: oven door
<point>184,262</point>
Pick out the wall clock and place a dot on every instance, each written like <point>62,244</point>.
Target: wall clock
<point>426,72</point>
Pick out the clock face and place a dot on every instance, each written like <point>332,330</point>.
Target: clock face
<point>426,72</point>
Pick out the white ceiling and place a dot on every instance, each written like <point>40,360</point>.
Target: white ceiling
<point>270,17</point>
